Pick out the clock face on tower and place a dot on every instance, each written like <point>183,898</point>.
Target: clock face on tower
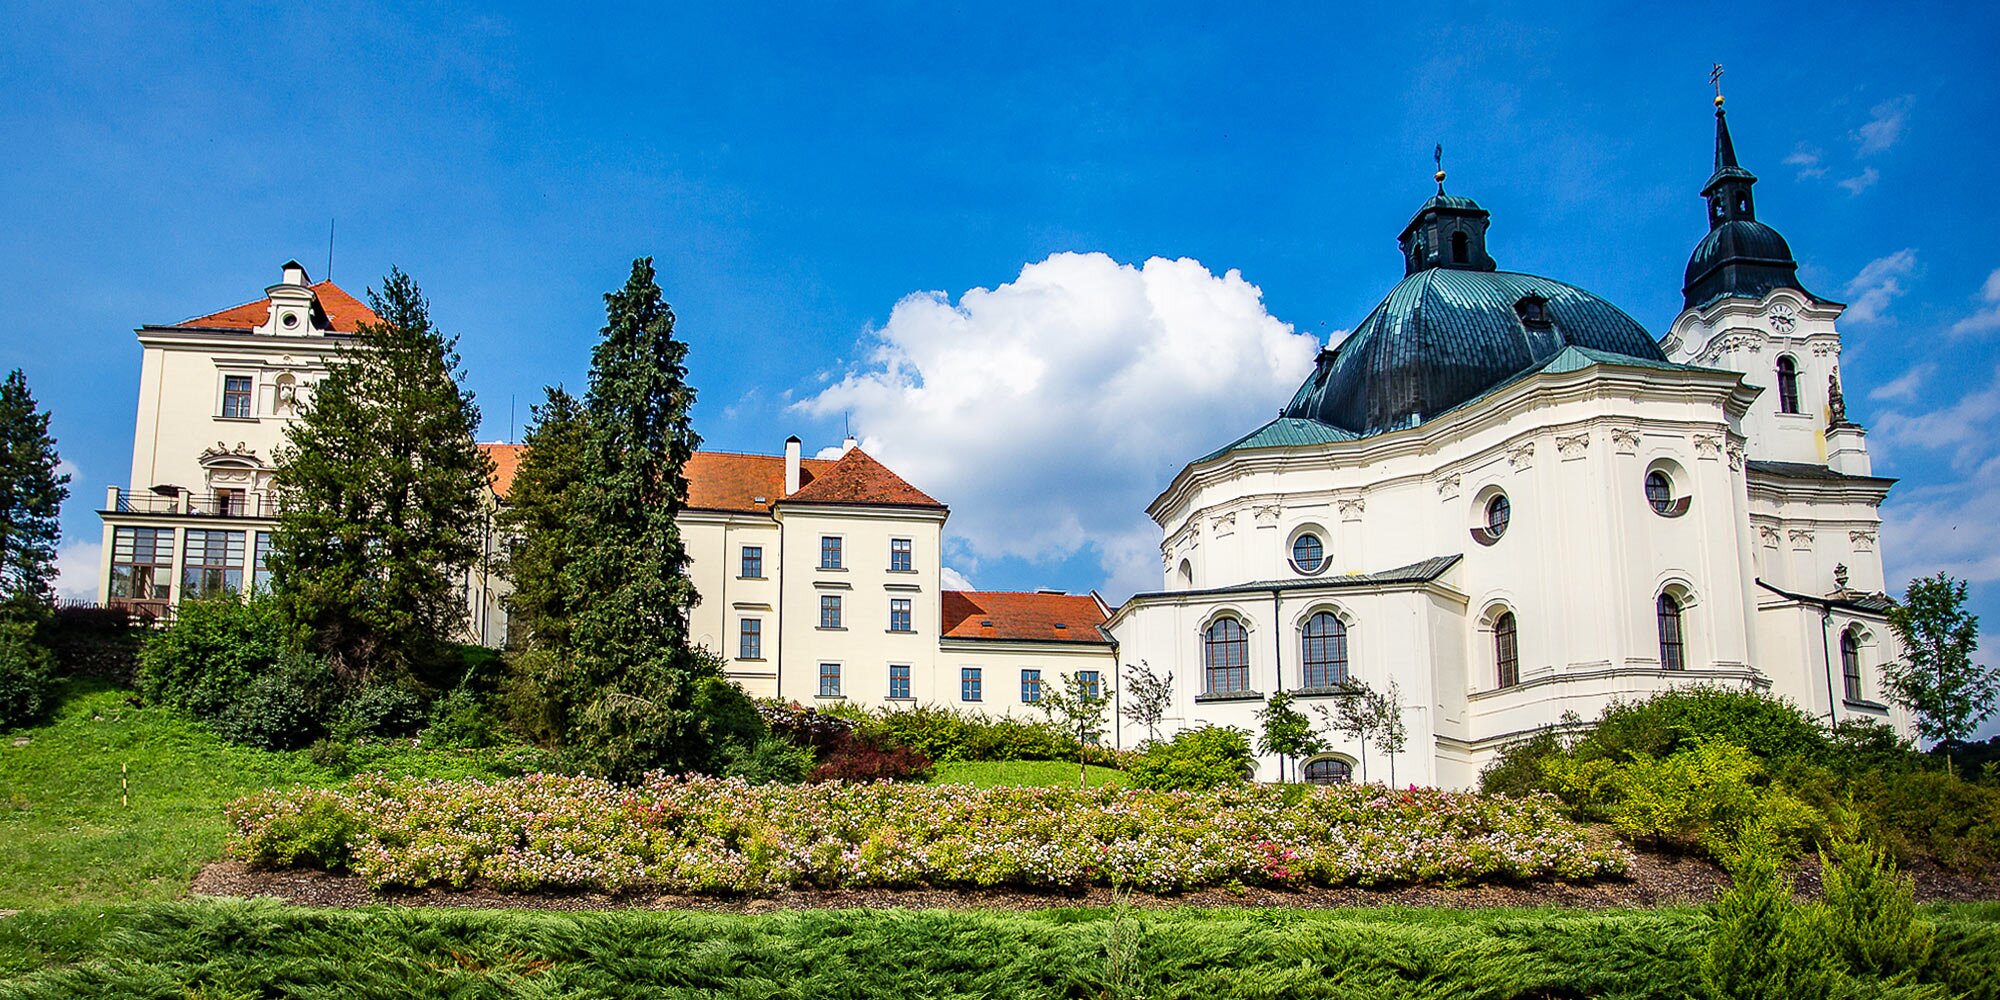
<point>1783,319</point>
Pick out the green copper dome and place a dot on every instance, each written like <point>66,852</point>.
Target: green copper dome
<point>1447,335</point>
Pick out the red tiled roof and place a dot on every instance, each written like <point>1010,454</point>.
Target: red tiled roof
<point>343,311</point>
<point>857,478</point>
<point>976,614</point>
<point>722,480</point>
<point>506,461</point>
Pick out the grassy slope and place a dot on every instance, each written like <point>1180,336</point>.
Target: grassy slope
<point>237,949</point>
<point>64,836</point>
<point>994,773</point>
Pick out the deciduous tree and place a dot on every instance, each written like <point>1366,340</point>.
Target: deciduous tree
<point>380,490</point>
<point>1147,696</point>
<point>1287,731</point>
<point>1081,709</point>
<point>1936,679</point>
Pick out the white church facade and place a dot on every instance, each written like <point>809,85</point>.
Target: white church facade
<point>1500,493</point>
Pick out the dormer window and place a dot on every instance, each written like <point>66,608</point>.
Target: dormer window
<point>1534,312</point>
<point>1460,252</point>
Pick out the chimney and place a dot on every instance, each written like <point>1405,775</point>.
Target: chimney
<point>848,445</point>
<point>295,274</point>
<point>791,465</point>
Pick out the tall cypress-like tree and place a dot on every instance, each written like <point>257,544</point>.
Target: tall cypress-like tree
<point>380,486</point>
<point>633,683</point>
<point>539,513</point>
<point>31,496</point>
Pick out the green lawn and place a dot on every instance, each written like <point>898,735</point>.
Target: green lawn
<point>994,773</point>
<point>236,949</point>
<point>66,836</point>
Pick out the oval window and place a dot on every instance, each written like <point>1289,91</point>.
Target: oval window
<point>1308,555</point>
<point>1499,511</point>
<point>1660,495</point>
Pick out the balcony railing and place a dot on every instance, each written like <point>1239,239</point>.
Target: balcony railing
<point>241,503</point>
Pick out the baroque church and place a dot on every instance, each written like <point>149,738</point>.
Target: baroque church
<point>1500,495</point>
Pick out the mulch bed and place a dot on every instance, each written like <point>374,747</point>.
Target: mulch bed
<point>1656,880</point>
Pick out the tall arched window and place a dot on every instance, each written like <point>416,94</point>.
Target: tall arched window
<point>1850,664</point>
<point>1187,574</point>
<point>1323,651</point>
<point>1225,657</point>
<point>1460,248</point>
<point>1506,650</point>
<point>1788,385</point>
<point>1673,649</point>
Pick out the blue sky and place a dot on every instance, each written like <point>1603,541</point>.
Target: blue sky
<point>798,174</point>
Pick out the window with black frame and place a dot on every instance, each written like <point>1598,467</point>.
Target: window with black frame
<point>1225,657</point>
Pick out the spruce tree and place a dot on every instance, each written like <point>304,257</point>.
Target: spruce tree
<point>632,680</point>
<point>380,487</point>
<point>539,515</point>
<point>31,496</point>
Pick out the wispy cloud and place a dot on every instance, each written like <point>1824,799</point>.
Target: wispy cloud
<point>1807,159</point>
<point>1862,181</point>
<point>1987,319</point>
<point>1884,126</point>
<point>1903,388</point>
<point>1877,284</point>
<point>1962,429</point>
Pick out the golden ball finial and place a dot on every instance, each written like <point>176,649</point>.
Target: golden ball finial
<point>1718,100</point>
<point>1440,176</point>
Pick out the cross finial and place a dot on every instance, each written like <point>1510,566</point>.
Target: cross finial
<point>1715,77</point>
<point>1437,156</point>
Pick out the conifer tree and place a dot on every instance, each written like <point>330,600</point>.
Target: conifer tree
<point>31,496</point>
<point>539,514</point>
<point>380,486</point>
<point>632,678</point>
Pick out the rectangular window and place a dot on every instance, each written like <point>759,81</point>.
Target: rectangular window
<point>1031,686</point>
<point>211,563</point>
<point>750,639</point>
<point>829,680</point>
<point>829,611</point>
<point>236,395</point>
<point>829,552</point>
<point>1093,688</point>
<point>142,564</point>
<point>968,684</point>
<point>753,562</point>
<point>899,680</point>
<point>899,555</point>
<point>260,562</point>
<point>899,615</point>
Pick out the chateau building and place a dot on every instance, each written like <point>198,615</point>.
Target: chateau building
<point>1500,494</point>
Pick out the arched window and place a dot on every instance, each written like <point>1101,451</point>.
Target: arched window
<point>1323,651</point>
<point>1329,771</point>
<point>1225,657</point>
<point>1673,649</point>
<point>1460,248</point>
<point>1187,574</point>
<point>1308,555</point>
<point>1506,650</point>
<point>1788,385</point>
<point>1850,664</point>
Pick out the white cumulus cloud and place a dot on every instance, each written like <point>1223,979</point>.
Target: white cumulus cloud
<point>76,569</point>
<point>1877,284</point>
<point>952,579</point>
<point>1050,410</point>
<point>1987,318</point>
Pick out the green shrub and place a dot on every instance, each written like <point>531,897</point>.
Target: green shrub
<point>311,829</point>
<point>944,734</point>
<point>1931,814</point>
<point>1762,945</point>
<point>284,707</point>
<point>460,720</point>
<point>27,672</point>
<point>1518,768</point>
<point>378,710</point>
<point>524,700</point>
<point>1871,910</point>
<point>729,722</point>
<point>212,653</point>
<point>1762,724</point>
<point>1697,800</point>
<point>772,759</point>
<point>101,643</point>
<point>1195,759</point>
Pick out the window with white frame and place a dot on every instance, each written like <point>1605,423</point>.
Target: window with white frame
<point>829,552</point>
<point>899,615</point>
<point>829,611</point>
<point>899,555</point>
<point>236,394</point>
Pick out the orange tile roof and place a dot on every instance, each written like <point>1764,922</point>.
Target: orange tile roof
<point>977,614</point>
<point>506,461</point>
<point>344,312</point>
<point>857,478</point>
<point>722,480</point>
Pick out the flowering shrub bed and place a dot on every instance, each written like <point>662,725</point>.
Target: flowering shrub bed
<point>705,835</point>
